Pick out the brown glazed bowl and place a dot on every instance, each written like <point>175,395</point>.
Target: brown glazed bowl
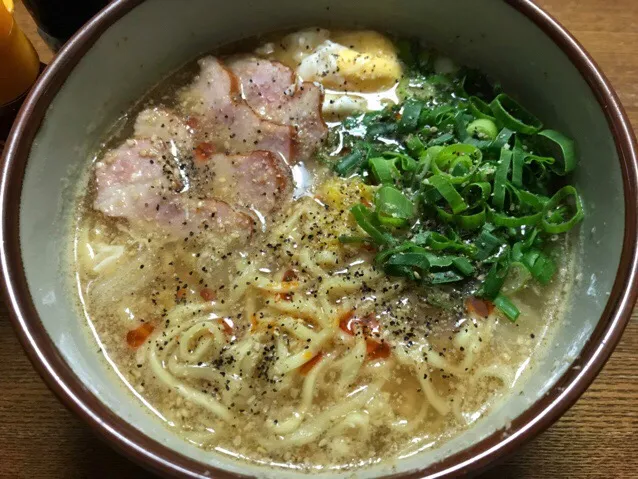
<point>132,44</point>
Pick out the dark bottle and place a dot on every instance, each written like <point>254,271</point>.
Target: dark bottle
<point>58,20</point>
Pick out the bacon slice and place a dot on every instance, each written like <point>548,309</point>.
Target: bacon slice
<point>223,119</point>
<point>160,123</point>
<point>257,180</point>
<point>270,88</point>
<point>136,181</point>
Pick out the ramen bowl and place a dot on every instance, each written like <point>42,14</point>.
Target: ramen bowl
<point>132,44</point>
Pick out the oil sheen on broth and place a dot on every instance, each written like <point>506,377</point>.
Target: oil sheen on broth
<point>218,264</point>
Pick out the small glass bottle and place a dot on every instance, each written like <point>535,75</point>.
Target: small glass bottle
<point>19,67</point>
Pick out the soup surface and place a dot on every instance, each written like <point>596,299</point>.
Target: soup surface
<point>323,250</point>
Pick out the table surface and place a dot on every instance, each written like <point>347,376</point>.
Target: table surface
<point>39,438</point>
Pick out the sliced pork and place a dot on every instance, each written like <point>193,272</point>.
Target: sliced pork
<point>256,180</point>
<point>160,123</point>
<point>136,181</point>
<point>271,89</point>
<point>221,118</point>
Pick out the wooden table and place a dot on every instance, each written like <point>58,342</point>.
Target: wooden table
<point>597,438</point>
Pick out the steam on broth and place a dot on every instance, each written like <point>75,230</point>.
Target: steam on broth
<point>328,250</point>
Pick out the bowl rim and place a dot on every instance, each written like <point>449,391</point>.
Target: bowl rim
<point>161,459</point>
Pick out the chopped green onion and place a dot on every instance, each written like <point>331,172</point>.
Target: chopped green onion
<point>556,145</point>
<point>467,189</point>
<point>480,109</point>
<point>505,305</point>
<point>521,247</point>
<point>518,161</point>
<point>441,139</point>
<point>410,116</point>
<point>439,242</point>
<point>463,265</point>
<point>470,222</point>
<point>447,191</point>
<point>540,265</point>
<point>476,194</point>
<point>457,162</point>
<point>483,128</point>
<point>513,116</point>
<point>405,261</point>
<point>350,163</point>
<point>369,222</point>
<point>552,225</point>
<point>494,280</point>
<point>415,87</point>
<point>517,277</point>
<point>500,178</point>
<point>487,243</point>
<point>384,171</point>
<point>445,261</point>
<point>393,207</point>
<point>500,219</point>
<point>345,239</point>
<point>443,277</point>
<point>379,130</point>
<point>503,138</point>
<point>415,145</point>
<point>406,162</point>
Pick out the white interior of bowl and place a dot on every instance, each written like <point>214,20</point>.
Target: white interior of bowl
<point>160,35</point>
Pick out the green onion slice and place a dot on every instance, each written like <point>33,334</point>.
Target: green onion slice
<point>415,87</point>
<point>494,280</point>
<point>517,278</point>
<point>410,115</point>
<point>518,163</point>
<point>457,162</point>
<point>384,171</point>
<point>500,178</point>
<point>447,261</point>
<point>503,138</point>
<point>350,162</point>
<point>448,192</point>
<point>443,277</point>
<point>487,243</point>
<point>556,145</point>
<point>415,145</point>
<point>483,128</point>
<point>410,265</point>
<point>379,130</point>
<point>557,223</point>
<point>440,242</point>
<point>463,265</point>
<point>441,139</point>
<point>500,219</point>
<point>540,265</point>
<point>513,116</point>
<point>345,239</point>
<point>477,194</point>
<point>393,208</point>
<point>507,307</point>
<point>470,222</point>
<point>369,222</point>
<point>480,109</point>
<point>406,162</point>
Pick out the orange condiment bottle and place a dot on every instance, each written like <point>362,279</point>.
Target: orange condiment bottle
<point>19,63</point>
